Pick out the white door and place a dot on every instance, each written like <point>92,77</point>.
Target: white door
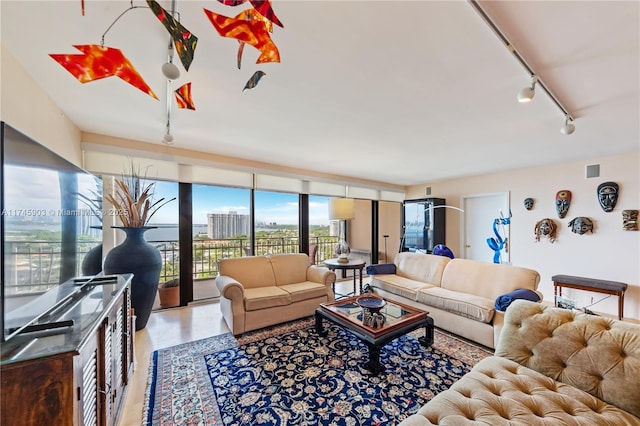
<point>480,212</point>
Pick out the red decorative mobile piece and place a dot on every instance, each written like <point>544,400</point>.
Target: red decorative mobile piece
<point>250,15</point>
<point>262,6</point>
<point>252,32</point>
<point>183,97</point>
<point>184,41</point>
<point>98,62</point>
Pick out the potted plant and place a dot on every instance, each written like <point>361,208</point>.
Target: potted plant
<point>134,204</point>
<point>169,292</point>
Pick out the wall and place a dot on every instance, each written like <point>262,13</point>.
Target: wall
<point>27,108</point>
<point>609,253</point>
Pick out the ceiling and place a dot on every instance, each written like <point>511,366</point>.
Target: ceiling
<point>401,92</point>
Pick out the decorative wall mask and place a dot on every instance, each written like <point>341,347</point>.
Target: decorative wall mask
<point>546,228</point>
<point>581,225</point>
<point>528,203</point>
<point>630,220</point>
<point>563,201</point>
<point>98,62</point>
<point>608,195</point>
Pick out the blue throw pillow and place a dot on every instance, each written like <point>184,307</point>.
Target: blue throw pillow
<point>503,302</point>
<point>381,268</point>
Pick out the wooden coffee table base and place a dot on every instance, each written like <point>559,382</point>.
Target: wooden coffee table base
<point>376,343</point>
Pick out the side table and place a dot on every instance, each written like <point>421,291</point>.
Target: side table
<point>355,265</point>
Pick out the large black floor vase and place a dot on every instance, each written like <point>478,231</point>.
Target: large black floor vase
<point>135,255</point>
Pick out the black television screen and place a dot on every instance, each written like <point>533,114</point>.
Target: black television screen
<point>51,219</point>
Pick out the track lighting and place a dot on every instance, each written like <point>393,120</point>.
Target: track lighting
<point>527,93</point>
<point>568,127</point>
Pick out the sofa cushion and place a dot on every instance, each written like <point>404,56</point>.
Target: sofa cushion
<point>305,290</point>
<point>485,279</point>
<point>464,304</point>
<point>289,268</point>
<point>499,391</point>
<point>598,355</point>
<point>265,297</point>
<point>426,268</point>
<point>250,271</point>
<point>399,285</point>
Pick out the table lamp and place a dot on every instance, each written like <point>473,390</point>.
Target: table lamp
<point>342,209</point>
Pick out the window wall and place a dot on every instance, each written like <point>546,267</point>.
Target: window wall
<point>323,233</point>
<point>276,223</point>
<point>221,222</point>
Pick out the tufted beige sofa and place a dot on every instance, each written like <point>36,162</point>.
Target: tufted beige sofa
<point>459,294</point>
<point>258,291</point>
<point>551,367</point>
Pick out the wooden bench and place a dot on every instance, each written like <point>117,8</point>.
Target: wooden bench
<point>590,284</point>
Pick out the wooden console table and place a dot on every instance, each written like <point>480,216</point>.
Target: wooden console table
<point>590,284</point>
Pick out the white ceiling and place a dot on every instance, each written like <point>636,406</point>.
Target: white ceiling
<point>402,92</point>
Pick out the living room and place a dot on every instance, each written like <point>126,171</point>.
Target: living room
<point>608,253</point>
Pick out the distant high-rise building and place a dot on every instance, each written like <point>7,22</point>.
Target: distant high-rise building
<point>226,225</point>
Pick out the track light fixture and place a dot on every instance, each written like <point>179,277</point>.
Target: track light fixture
<point>527,93</point>
<point>568,127</point>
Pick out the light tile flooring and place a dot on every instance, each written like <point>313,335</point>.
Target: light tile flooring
<point>171,327</point>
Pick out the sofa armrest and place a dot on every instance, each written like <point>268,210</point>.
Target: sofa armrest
<point>229,288</point>
<point>381,268</point>
<point>321,274</point>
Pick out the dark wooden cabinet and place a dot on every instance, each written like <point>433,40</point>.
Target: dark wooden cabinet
<point>423,224</point>
<point>77,377</point>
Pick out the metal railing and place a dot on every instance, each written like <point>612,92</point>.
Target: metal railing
<point>34,267</point>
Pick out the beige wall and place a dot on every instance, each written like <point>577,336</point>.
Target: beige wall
<point>609,253</point>
<point>27,108</point>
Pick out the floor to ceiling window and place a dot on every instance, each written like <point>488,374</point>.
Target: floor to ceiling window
<point>165,237</point>
<point>276,222</point>
<point>323,233</point>
<point>221,229</point>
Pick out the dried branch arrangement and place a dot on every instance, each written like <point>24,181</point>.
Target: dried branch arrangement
<point>133,199</point>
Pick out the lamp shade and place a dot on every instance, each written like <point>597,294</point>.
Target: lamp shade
<point>341,209</point>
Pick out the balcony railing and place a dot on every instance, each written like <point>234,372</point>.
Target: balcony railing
<point>34,267</point>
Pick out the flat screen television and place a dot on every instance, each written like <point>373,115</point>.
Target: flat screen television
<point>51,220</point>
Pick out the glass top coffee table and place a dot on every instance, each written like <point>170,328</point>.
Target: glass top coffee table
<point>400,319</point>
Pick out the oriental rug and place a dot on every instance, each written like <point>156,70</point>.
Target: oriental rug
<point>288,375</point>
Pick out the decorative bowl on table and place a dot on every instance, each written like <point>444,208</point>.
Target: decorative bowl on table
<point>371,303</point>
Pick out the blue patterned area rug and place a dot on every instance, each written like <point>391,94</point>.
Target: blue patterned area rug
<point>288,375</point>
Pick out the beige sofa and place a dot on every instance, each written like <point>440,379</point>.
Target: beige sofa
<point>552,366</point>
<point>459,294</point>
<point>258,291</point>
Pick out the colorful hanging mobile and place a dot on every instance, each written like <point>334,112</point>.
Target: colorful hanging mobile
<point>250,15</point>
<point>97,62</point>
<point>183,97</point>
<point>184,41</point>
<point>263,7</point>
<point>251,32</point>
<point>253,81</point>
